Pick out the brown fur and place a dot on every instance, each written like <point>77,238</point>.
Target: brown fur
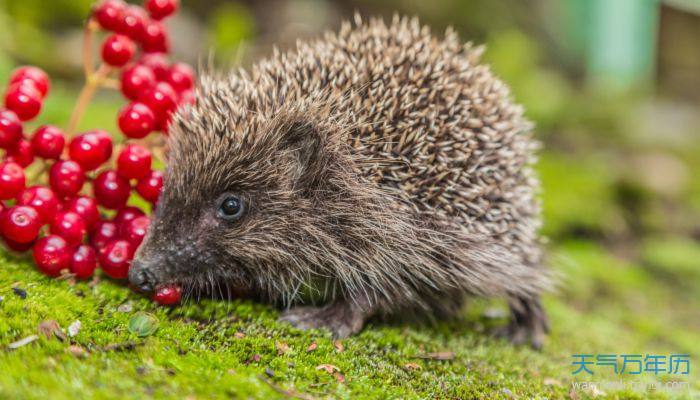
<point>381,166</point>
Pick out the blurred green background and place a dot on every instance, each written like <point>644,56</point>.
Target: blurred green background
<point>614,89</point>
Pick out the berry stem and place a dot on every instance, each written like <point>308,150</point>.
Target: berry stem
<point>92,83</point>
<point>90,28</point>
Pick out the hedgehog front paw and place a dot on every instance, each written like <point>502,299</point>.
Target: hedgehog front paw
<point>341,319</point>
<point>528,323</point>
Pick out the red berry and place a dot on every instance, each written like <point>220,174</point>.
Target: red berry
<point>115,258</point>
<point>127,214</point>
<point>135,230</point>
<point>105,143</point>
<point>160,9</point>
<point>134,162</point>
<point>18,247</point>
<point>43,199</point>
<point>162,100</point>
<point>22,154</point>
<point>24,99</point>
<point>21,223</point>
<point>167,295</point>
<point>181,77</point>
<point>83,262</point>
<point>117,50</point>
<point>66,178</point>
<point>88,150</point>
<point>155,38</point>
<point>111,190</point>
<point>69,226</point>
<point>134,22</point>
<point>136,120</point>
<point>10,129</point>
<point>12,180</point>
<point>34,74</point>
<point>187,98</point>
<point>48,142</point>
<point>86,207</point>
<point>136,80</point>
<point>52,254</point>
<point>110,14</point>
<point>158,63</point>
<point>149,187</point>
<point>104,233</point>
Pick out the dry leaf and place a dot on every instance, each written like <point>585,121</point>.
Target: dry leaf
<point>74,328</point>
<point>22,342</point>
<point>282,348</point>
<point>50,328</point>
<point>551,382</point>
<point>412,366</point>
<point>77,351</point>
<point>442,355</point>
<point>239,335</point>
<point>339,377</point>
<point>338,346</point>
<point>328,368</point>
<point>311,347</point>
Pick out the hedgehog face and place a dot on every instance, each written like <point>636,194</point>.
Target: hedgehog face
<point>240,211</point>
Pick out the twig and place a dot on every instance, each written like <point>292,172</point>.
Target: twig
<point>285,392</point>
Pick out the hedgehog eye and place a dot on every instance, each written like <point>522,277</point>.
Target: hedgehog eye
<point>231,208</point>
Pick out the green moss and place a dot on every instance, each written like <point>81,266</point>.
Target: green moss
<point>223,350</point>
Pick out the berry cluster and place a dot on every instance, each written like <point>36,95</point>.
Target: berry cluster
<point>75,217</point>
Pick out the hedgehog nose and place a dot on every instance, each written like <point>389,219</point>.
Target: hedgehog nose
<point>141,276</point>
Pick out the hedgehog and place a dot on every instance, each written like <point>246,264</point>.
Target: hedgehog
<point>376,172</point>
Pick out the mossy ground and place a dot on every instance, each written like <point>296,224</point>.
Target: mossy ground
<point>621,293</point>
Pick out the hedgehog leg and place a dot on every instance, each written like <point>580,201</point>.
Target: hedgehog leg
<point>341,318</point>
<point>528,321</point>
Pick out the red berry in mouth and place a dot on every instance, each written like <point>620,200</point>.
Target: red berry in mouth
<point>134,22</point>
<point>21,224</point>
<point>10,129</point>
<point>136,80</point>
<point>111,190</point>
<point>105,232</point>
<point>135,230</point>
<point>24,99</point>
<point>48,142</point>
<point>158,63</point>
<point>52,254</point>
<point>22,153</point>
<point>167,295</point>
<point>88,150</point>
<point>83,262</point>
<point>149,187</point>
<point>160,9</point>
<point>134,162</point>
<point>86,207</point>
<point>110,14</point>
<point>117,50</point>
<point>181,77</point>
<point>70,226</point>
<point>33,74</point>
<point>115,258</point>
<point>136,120</point>
<point>43,199</point>
<point>12,180</point>
<point>66,178</point>
<point>154,38</point>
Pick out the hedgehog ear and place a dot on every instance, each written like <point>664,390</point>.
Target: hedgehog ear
<point>302,146</point>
